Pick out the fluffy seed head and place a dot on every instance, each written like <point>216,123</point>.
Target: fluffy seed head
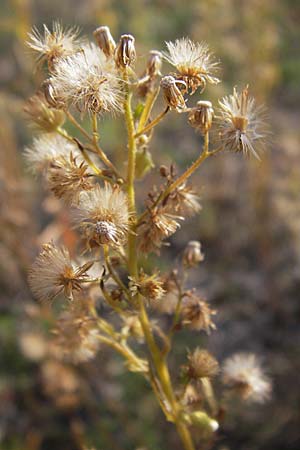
<point>76,334</point>
<point>196,314</point>
<point>241,124</point>
<point>55,44</point>
<point>53,273</point>
<point>102,216</point>
<point>244,375</point>
<point>125,54</point>
<point>88,80</point>
<point>201,364</point>
<point>159,225</point>
<point>193,61</point>
<point>192,254</point>
<point>41,116</point>
<point>172,93</point>
<point>67,178</point>
<point>105,41</point>
<point>184,201</point>
<point>149,286</point>
<point>47,148</point>
<point>201,116</point>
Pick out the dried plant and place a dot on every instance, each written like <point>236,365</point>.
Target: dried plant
<point>96,79</point>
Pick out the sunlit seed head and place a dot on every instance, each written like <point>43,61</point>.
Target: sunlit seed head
<point>196,314</point>
<point>102,216</point>
<point>53,272</point>
<point>41,116</point>
<point>149,286</point>
<point>201,364</point>
<point>48,147</point>
<point>88,80</point>
<point>241,124</point>
<point>55,44</point>
<point>184,201</point>
<point>243,374</point>
<point>193,61</point>
<point>67,178</point>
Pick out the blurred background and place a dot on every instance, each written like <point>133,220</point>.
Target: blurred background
<point>249,228</point>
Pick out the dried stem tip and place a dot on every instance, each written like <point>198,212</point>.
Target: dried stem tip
<point>125,53</point>
<point>201,116</point>
<point>105,41</point>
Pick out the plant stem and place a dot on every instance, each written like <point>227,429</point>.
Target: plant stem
<point>150,99</point>
<point>153,123</point>
<point>158,359</point>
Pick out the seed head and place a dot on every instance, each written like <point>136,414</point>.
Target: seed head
<point>125,54</point>
<point>241,124</point>
<point>192,254</point>
<point>102,216</point>
<point>48,148</point>
<point>147,82</point>
<point>53,273</point>
<point>149,286</point>
<point>172,93</point>
<point>201,364</point>
<point>76,333</point>
<point>41,116</point>
<point>88,80</point>
<point>54,45</point>
<point>159,225</point>
<point>184,201</point>
<point>201,116</point>
<point>194,63</point>
<point>105,41</point>
<point>244,375</point>
<point>67,178</point>
<point>196,314</point>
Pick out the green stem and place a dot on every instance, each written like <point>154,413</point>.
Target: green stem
<point>150,100</point>
<point>153,123</point>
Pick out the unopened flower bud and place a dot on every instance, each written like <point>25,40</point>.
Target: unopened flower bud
<point>172,93</point>
<point>192,254</point>
<point>125,51</point>
<point>154,63</point>
<point>203,421</point>
<point>201,116</point>
<point>105,40</point>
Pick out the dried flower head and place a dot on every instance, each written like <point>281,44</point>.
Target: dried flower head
<point>76,333</point>
<point>201,364</point>
<point>48,147</point>
<point>184,201</point>
<point>68,177</point>
<point>41,116</point>
<point>193,61</point>
<point>172,92</point>
<point>241,124</point>
<point>53,273</point>
<point>53,45</point>
<point>125,54</point>
<point>201,116</point>
<point>149,286</point>
<point>88,80</point>
<point>103,217</point>
<point>244,375</point>
<point>105,41</point>
<point>192,254</point>
<point>196,314</point>
<point>158,226</point>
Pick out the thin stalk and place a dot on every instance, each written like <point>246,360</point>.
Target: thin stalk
<point>113,274</point>
<point>78,126</point>
<point>150,100</point>
<point>153,123</point>
<point>158,360</point>
<point>179,181</point>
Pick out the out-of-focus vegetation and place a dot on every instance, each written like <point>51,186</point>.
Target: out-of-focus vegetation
<point>249,228</point>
